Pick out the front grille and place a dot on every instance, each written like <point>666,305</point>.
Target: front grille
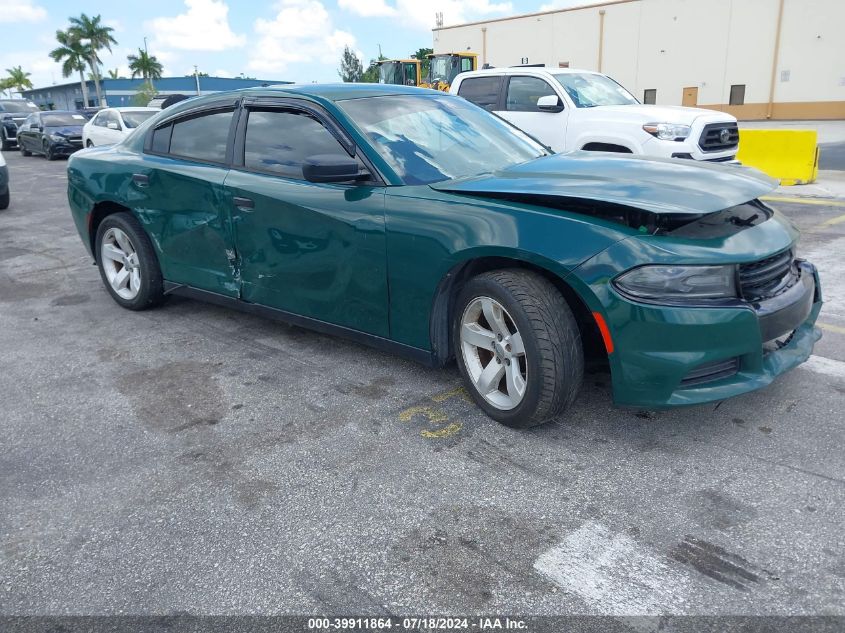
<point>709,372</point>
<point>75,140</point>
<point>766,277</point>
<point>711,139</point>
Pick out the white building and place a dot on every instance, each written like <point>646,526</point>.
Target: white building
<point>757,59</point>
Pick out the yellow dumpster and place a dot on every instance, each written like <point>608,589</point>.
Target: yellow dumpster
<point>791,156</point>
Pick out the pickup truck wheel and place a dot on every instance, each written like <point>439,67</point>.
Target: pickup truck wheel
<point>128,264</point>
<point>518,347</point>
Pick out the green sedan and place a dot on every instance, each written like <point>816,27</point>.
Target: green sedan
<point>421,224</point>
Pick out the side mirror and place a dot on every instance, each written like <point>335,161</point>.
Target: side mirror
<point>549,103</point>
<point>332,168</point>
<point>112,125</point>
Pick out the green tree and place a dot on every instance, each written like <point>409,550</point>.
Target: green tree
<point>422,55</point>
<point>115,74</point>
<point>73,55</point>
<point>98,37</point>
<point>145,65</point>
<point>6,85</point>
<point>144,95</point>
<point>370,75</point>
<point>350,69</point>
<point>17,79</point>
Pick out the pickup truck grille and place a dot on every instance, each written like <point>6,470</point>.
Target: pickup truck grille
<point>718,137</point>
<point>766,277</point>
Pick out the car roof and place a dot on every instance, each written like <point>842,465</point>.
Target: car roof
<point>525,70</point>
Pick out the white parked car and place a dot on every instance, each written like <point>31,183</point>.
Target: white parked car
<point>112,125</point>
<point>570,109</point>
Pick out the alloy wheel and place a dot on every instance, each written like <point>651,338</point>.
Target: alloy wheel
<point>493,353</point>
<point>121,264</point>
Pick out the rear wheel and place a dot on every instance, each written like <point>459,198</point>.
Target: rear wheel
<point>127,263</point>
<point>518,347</point>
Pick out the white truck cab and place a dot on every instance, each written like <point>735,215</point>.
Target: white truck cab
<point>569,109</point>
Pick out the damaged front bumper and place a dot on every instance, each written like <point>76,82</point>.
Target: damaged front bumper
<point>669,356</point>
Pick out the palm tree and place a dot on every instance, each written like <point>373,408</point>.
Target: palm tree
<point>74,57</point>
<point>18,79</point>
<point>114,74</point>
<point>98,36</point>
<point>145,65</point>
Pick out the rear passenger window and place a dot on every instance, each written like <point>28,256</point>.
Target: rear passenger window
<point>482,91</point>
<point>279,141</point>
<point>523,93</point>
<point>202,137</point>
<point>161,140</point>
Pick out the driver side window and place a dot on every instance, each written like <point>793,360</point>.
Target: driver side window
<point>523,93</point>
<point>279,141</point>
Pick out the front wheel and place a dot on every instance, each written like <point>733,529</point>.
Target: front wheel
<point>127,263</point>
<point>89,143</point>
<point>48,152</point>
<point>518,347</point>
<point>5,199</point>
<point>5,144</point>
<point>24,151</point>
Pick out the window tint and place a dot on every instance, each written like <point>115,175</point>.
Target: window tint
<point>202,137</point>
<point>161,139</point>
<point>482,91</point>
<point>523,93</point>
<point>279,141</point>
<point>737,95</point>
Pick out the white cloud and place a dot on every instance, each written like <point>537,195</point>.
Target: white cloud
<point>21,11</point>
<point>43,70</point>
<point>367,8</point>
<point>302,31</point>
<point>203,27</point>
<point>421,15</point>
<point>220,72</point>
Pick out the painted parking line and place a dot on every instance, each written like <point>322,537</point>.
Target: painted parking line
<point>822,202</point>
<point>838,329</point>
<point>613,573</point>
<point>826,366</point>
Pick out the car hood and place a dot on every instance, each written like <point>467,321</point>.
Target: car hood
<point>662,186</point>
<point>64,130</point>
<point>661,114</point>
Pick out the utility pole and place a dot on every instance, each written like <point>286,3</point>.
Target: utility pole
<point>197,77</point>
<point>145,44</point>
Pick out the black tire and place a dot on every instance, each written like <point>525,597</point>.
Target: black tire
<point>24,151</point>
<point>5,198</point>
<point>89,143</point>
<point>5,144</point>
<point>48,152</point>
<point>151,291</point>
<point>554,357</point>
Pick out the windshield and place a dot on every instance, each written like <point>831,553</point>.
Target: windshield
<point>390,73</point>
<point>135,118</point>
<point>588,90</point>
<point>440,69</point>
<point>429,139</point>
<point>60,119</point>
<point>18,106</point>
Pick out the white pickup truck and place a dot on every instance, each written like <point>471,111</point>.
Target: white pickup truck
<point>570,109</point>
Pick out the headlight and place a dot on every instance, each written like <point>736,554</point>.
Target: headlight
<point>679,282</point>
<point>667,131</point>
<point>57,138</point>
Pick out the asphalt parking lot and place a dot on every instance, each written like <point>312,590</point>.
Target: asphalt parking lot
<point>193,458</point>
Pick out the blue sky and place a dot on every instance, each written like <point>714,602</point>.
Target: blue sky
<point>297,40</point>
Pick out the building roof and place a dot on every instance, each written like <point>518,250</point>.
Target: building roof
<point>165,84</point>
<point>594,5</point>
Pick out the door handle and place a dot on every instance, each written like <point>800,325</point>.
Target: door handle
<point>142,180</point>
<point>244,204</point>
